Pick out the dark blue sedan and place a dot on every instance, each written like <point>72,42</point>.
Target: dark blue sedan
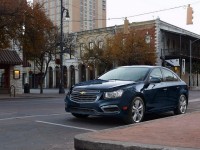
<point>129,92</point>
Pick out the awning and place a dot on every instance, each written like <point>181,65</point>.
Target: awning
<point>9,57</point>
<point>173,62</point>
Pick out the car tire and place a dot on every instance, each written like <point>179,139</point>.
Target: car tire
<point>135,111</point>
<point>182,105</point>
<point>79,115</point>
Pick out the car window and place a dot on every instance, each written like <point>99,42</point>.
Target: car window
<point>156,73</point>
<point>175,78</point>
<point>169,76</point>
<point>126,73</point>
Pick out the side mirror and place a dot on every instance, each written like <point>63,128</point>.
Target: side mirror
<point>155,80</point>
<point>152,80</point>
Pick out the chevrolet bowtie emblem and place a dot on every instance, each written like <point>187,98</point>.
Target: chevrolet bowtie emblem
<point>82,92</point>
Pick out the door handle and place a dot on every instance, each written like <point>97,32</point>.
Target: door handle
<point>177,87</point>
<point>165,89</point>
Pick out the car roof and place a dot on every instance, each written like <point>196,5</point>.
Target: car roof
<point>145,66</point>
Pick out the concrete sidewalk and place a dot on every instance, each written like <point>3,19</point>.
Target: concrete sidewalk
<point>35,93</point>
<point>180,132</point>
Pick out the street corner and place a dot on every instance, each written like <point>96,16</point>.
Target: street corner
<point>150,135</point>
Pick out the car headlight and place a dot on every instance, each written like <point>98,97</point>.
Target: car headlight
<point>114,94</point>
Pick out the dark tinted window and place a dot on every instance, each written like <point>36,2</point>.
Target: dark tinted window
<point>156,73</point>
<point>169,76</point>
<point>126,73</point>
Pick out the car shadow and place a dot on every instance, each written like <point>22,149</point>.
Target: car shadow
<point>114,121</point>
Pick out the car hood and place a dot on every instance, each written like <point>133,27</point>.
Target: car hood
<point>102,84</point>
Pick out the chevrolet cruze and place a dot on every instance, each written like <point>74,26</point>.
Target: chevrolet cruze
<point>129,92</point>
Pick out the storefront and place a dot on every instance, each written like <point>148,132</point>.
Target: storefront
<point>8,60</point>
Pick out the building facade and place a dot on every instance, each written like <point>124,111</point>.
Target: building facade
<point>171,44</point>
<point>84,14</point>
<point>175,48</point>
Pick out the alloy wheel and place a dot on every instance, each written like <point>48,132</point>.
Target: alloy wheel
<point>137,110</point>
<point>182,104</point>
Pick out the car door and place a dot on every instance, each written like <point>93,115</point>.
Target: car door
<point>172,85</point>
<point>156,93</point>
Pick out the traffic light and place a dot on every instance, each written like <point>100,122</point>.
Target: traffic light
<point>189,15</point>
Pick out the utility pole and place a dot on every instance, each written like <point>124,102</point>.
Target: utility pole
<point>61,86</point>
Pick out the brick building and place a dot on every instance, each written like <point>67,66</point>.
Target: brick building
<point>171,44</point>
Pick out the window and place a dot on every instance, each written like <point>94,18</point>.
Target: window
<point>169,76</point>
<point>100,44</point>
<point>156,73</point>
<point>126,74</point>
<point>82,49</point>
<point>91,45</point>
<point>123,41</point>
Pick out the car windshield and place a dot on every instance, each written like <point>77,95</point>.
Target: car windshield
<point>126,73</point>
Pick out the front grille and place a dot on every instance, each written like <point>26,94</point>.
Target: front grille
<point>84,95</point>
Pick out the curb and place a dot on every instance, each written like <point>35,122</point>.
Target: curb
<point>84,142</point>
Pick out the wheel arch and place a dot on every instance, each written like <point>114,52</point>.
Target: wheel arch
<point>142,97</point>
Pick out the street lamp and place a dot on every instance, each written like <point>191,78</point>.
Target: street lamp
<point>191,42</point>
<point>63,9</point>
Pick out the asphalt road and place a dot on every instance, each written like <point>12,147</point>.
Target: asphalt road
<point>42,124</point>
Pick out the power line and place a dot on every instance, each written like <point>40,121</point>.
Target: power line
<point>142,14</point>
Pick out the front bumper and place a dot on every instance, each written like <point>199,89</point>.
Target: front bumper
<point>99,107</point>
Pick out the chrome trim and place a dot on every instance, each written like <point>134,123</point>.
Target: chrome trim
<point>91,93</point>
<point>110,106</point>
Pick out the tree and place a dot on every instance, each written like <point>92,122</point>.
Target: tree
<point>11,18</point>
<point>39,40</point>
<point>131,49</point>
<point>96,55</point>
<point>121,49</point>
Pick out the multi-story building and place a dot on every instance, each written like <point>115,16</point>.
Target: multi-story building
<point>174,47</point>
<point>84,14</point>
<point>171,45</point>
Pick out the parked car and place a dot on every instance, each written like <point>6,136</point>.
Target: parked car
<point>129,92</point>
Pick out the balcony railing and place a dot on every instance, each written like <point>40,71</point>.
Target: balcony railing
<point>182,52</point>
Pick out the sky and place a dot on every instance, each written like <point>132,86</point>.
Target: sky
<point>132,9</point>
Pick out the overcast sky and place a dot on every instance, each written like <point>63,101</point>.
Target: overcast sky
<point>132,8</point>
<point>126,8</point>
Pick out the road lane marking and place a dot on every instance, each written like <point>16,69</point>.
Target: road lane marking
<point>67,126</point>
<point>32,116</point>
<point>194,100</point>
